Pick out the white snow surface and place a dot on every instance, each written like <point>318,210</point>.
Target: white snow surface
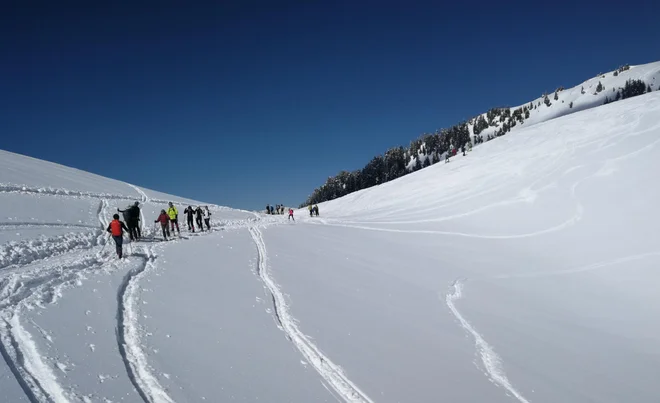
<point>523,272</point>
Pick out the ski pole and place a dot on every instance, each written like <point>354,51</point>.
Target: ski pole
<point>107,239</point>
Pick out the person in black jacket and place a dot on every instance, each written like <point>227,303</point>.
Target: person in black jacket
<point>198,217</point>
<point>189,212</point>
<point>132,218</point>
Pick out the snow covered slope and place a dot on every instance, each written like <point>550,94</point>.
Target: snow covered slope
<point>533,261</point>
<point>523,272</point>
<point>571,100</point>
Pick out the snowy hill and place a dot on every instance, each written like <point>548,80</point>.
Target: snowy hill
<point>431,148</point>
<point>523,272</point>
<point>597,91</point>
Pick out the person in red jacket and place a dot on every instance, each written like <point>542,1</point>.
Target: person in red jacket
<point>164,219</point>
<point>116,228</point>
<point>291,215</point>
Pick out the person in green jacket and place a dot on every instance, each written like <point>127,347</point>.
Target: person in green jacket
<point>173,214</point>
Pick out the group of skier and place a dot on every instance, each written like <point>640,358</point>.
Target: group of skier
<point>277,209</point>
<point>132,219</point>
<point>313,211</point>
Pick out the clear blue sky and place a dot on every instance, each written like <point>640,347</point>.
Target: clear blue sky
<point>244,103</point>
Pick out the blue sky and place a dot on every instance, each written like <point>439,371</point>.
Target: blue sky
<point>245,103</point>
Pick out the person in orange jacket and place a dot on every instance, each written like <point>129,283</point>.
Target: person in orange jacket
<point>164,219</point>
<point>116,228</point>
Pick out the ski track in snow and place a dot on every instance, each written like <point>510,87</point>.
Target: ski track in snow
<point>328,370</point>
<point>489,358</point>
<point>25,283</point>
<point>128,335</point>
<point>48,191</point>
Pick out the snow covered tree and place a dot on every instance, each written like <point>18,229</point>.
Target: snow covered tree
<point>616,73</point>
<point>556,96</point>
<point>546,100</point>
<point>618,96</point>
<point>633,88</point>
<point>570,105</point>
<point>582,90</point>
<point>418,165</point>
<point>599,87</point>
<point>480,125</point>
<point>427,162</point>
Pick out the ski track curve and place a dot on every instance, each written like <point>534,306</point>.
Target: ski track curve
<point>489,358</point>
<point>329,371</point>
<point>50,191</point>
<point>128,335</point>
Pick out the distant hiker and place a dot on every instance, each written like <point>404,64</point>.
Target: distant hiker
<point>291,215</point>
<point>189,212</point>
<point>447,157</point>
<point>173,214</point>
<point>272,210</point>
<point>316,210</point>
<point>198,218</point>
<point>463,149</point>
<point>469,146</point>
<point>207,217</point>
<point>267,208</point>
<point>163,219</point>
<point>116,229</point>
<point>311,210</point>
<point>132,218</point>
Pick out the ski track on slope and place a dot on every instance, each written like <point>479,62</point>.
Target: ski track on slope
<point>489,358</point>
<point>49,191</point>
<point>128,335</point>
<point>329,371</point>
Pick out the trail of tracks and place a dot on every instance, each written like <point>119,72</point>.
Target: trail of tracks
<point>328,370</point>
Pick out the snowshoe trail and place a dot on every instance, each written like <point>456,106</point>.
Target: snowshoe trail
<point>328,370</point>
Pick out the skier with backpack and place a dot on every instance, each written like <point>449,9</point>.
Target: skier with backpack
<point>316,210</point>
<point>291,215</point>
<point>164,219</point>
<point>207,217</point>
<point>189,212</point>
<point>116,228</point>
<point>132,218</point>
<point>173,214</point>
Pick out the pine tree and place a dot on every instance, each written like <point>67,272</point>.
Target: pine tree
<point>570,105</point>
<point>435,158</point>
<point>599,87</point>
<point>427,162</point>
<point>556,97</point>
<point>618,96</point>
<point>418,164</point>
<point>546,100</point>
<point>648,88</point>
<point>582,90</point>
